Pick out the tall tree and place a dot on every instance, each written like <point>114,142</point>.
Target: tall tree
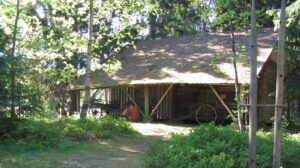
<point>177,17</point>
<point>236,79</point>
<point>13,74</point>
<point>16,69</point>
<point>87,98</point>
<point>292,53</point>
<point>232,15</point>
<point>4,75</point>
<point>279,89</point>
<point>292,58</point>
<point>54,42</point>
<point>61,29</point>
<point>253,91</point>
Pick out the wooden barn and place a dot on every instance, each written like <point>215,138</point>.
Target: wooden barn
<point>189,76</point>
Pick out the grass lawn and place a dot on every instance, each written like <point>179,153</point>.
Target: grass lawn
<point>114,152</point>
<point>120,152</point>
<point>67,142</point>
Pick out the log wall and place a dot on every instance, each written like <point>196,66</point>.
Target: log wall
<point>266,91</point>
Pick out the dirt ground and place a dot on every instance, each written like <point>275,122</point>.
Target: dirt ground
<point>150,129</point>
<point>106,153</point>
<point>129,153</point>
<point>125,153</point>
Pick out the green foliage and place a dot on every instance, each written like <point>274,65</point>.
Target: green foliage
<point>39,134</point>
<point>231,15</point>
<point>292,48</point>
<point>292,58</point>
<point>112,66</point>
<point>292,87</point>
<point>28,96</point>
<point>89,129</point>
<point>53,44</point>
<point>219,147</point>
<point>236,15</point>
<point>176,17</point>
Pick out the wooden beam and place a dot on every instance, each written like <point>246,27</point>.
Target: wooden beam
<point>78,101</point>
<point>279,89</point>
<point>265,105</point>
<point>147,116</point>
<point>133,101</point>
<point>73,102</point>
<point>121,97</point>
<point>253,91</point>
<point>221,100</point>
<point>161,99</point>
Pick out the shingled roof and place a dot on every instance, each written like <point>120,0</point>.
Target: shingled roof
<point>190,59</point>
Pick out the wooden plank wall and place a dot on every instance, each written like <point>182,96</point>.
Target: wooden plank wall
<point>164,110</point>
<point>119,96</point>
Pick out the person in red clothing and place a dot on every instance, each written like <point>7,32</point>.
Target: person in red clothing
<point>132,112</point>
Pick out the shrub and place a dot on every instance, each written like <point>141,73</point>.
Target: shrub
<point>88,129</point>
<point>218,147</point>
<point>40,134</point>
<point>7,126</point>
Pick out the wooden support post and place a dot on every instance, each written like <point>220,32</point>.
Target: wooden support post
<point>279,90</point>
<point>121,97</point>
<point>221,100</point>
<point>78,101</point>
<point>108,95</point>
<point>73,102</point>
<point>161,99</point>
<point>253,91</point>
<point>147,116</point>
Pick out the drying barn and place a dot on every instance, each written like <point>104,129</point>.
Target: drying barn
<point>187,77</point>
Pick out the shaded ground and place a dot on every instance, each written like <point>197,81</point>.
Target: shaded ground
<point>107,153</point>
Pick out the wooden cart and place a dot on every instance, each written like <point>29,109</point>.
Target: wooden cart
<point>208,112</point>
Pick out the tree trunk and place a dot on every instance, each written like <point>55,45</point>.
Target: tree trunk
<point>73,102</point>
<point>253,91</point>
<point>13,74</point>
<point>152,22</point>
<point>63,109</point>
<point>87,98</point>
<point>279,90</point>
<point>236,81</point>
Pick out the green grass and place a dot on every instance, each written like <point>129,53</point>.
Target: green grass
<point>63,142</point>
<point>43,134</point>
<point>72,156</point>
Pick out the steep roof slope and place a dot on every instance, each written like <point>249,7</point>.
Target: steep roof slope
<point>191,59</point>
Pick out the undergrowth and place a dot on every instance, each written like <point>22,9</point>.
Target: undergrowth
<point>41,134</point>
<point>209,146</point>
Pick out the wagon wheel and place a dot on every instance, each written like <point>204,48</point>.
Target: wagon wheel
<point>206,113</point>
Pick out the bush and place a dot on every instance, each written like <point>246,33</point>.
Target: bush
<point>218,147</point>
<point>88,129</point>
<point>7,126</point>
<point>40,134</point>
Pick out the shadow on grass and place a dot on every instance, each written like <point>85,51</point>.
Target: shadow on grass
<point>125,151</point>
